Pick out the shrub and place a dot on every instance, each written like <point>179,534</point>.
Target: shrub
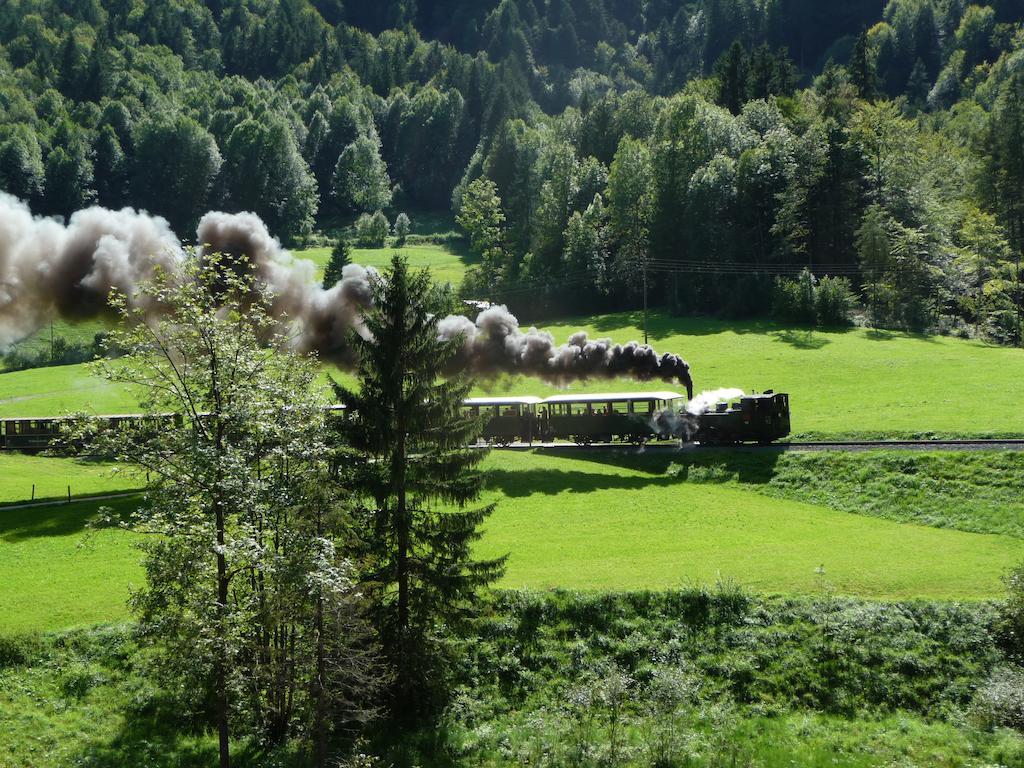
<point>833,301</point>
<point>808,301</point>
<point>999,702</point>
<point>372,231</point>
<point>18,650</point>
<point>794,299</point>
<point>402,227</point>
<point>1010,625</point>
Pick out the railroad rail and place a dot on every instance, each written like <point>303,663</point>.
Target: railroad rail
<point>1011,444</point>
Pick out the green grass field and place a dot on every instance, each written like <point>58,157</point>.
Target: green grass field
<point>842,382</point>
<point>577,523</point>
<point>52,477</point>
<point>73,333</point>
<point>444,265</point>
<point>54,574</point>
<point>584,521</point>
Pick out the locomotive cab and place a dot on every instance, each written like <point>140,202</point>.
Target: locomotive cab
<point>755,418</point>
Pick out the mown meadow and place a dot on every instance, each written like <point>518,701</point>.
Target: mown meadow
<point>842,383</point>
<point>877,525</point>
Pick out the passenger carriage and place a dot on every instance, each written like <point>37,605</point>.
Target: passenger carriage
<point>633,417</point>
<point>506,419</point>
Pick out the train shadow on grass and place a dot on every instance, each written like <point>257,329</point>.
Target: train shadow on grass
<point>659,468</point>
<point>59,519</point>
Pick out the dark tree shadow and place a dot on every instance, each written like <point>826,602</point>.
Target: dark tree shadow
<point>802,339</point>
<point>520,483</point>
<point>660,468</point>
<point>58,519</point>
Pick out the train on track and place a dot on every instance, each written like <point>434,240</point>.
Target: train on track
<point>634,418</point>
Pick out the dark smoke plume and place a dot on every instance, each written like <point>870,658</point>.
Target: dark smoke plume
<point>325,318</point>
<point>495,344</point>
<point>51,270</point>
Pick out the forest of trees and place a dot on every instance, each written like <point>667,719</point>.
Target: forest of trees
<point>719,146</point>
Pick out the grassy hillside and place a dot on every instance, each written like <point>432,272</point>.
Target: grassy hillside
<point>610,522</point>
<point>52,477</point>
<point>444,264</point>
<point>54,574</point>
<point>73,333</point>
<point>577,523</point>
<point>61,389</point>
<point>842,382</point>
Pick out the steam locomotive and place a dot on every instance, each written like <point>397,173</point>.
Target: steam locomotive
<point>634,418</point>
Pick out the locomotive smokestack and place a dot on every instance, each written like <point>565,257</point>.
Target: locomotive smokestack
<point>48,269</point>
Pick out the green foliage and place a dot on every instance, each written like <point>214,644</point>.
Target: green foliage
<point>401,228</point>
<point>805,300</point>
<point>481,217</point>
<point>296,111</point>
<point>341,257</point>
<point>248,602</point>
<point>264,173</point>
<point>175,164</point>
<point>372,231</point>
<point>1011,618</point>
<point>560,677</point>
<point>60,351</point>
<point>411,434</point>
<point>360,181</point>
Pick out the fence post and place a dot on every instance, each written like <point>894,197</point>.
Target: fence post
<point>33,491</point>
<point>69,494</point>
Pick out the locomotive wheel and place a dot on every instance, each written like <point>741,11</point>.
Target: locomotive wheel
<point>638,440</point>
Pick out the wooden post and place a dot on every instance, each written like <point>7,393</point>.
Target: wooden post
<point>33,491</point>
<point>69,494</point>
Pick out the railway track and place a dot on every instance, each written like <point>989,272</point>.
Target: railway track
<point>834,445</point>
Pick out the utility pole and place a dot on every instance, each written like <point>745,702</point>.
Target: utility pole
<point>1020,309</point>
<point>645,296</point>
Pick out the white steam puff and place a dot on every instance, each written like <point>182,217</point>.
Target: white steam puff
<point>705,401</point>
<point>48,269</point>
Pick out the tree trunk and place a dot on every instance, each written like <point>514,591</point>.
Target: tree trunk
<point>402,526</point>
<point>221,671</point>
<point>320,725</point>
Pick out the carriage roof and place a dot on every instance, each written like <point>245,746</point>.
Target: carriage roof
<point>614,397</point>
<point>484,401</point>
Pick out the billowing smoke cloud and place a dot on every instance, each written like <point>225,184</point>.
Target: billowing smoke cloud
<point>325,318</point>
<point>51,270</point>
<point>496,344</point>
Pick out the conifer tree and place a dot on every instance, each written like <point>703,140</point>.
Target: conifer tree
<point>862,69</point>
<point>341,256</point>
<point>416,475</point>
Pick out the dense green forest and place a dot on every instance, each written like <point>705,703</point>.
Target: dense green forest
<point>718,146</point>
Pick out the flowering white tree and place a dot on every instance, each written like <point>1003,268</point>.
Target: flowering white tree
<point>248,599</point>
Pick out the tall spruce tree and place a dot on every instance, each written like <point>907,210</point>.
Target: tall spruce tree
<point>416,476</point>
<point>341,256</point>
<point>862,68</point>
